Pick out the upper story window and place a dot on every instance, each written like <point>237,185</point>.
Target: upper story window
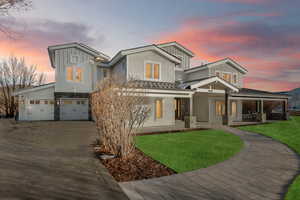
<point>74,74</point>
<point>152,71</point>
<point>228,76</point>
<point>69,71</point>
<point>78,75</point>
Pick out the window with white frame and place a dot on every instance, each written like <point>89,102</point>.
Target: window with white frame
<point>158,109</point>
<point>74,74</point>
<point>152,71</point>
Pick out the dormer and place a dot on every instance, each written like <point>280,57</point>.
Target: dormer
<point>226,69</point>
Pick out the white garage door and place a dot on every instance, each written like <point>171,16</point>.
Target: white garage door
<point>39,110</point>
<point>74,109</point>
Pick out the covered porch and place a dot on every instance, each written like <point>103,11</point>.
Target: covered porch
<point>253,106</point>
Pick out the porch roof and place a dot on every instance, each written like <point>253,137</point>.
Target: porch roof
<point>194,84</point>
<point>246,92</point>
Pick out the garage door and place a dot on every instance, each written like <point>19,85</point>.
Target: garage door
<point>38,110</point>
<point>74,109</point>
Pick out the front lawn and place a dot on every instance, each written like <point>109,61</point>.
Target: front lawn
<point>288,132</point>
<point>188,151</point>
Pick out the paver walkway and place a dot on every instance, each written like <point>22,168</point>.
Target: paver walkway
<point>262,170</point>
<point>52,161</point>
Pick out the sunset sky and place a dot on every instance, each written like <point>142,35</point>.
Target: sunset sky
<point>261,35</point>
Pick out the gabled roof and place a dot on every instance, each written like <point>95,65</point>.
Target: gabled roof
<point>212,64</point>
<point>83,47</point>
<point>152,47</point>
<point>194,84</point>
<point>179,46</point>
<point>36,88</point>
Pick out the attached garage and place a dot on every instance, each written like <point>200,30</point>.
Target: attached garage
<point>74,109</point>
<point>36,104</point>
<point>39,110</point>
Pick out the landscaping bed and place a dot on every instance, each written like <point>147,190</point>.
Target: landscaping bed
<point>137,167</point>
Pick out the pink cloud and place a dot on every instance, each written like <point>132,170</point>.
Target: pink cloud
<point>258,47</point>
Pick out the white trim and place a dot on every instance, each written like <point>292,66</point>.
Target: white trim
<point>34,89</point>
<point>257,98</point>
<point>141,49</point>
<point>179,46</point>
<point>179,69</point>
<point>79,46</point>
<point>209,65</point>
<point>203,90</point>
<point>167,95</point>
<point>211,80</point>
<point>165,91</point>
<point>152,68</point>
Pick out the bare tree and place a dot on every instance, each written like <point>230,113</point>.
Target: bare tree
<point>6,6</point>
<point>14,75</point>
<point>120,109</point>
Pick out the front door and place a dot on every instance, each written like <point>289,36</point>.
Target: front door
<point>218,111</point>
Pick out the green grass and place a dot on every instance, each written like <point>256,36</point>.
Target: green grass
<point>287,132</point>
<point>188,151</point>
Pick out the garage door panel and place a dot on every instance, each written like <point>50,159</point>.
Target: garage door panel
<point>40,112</point>
<point>74,109</point>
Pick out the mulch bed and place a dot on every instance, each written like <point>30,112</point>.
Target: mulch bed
<point>137,167</point>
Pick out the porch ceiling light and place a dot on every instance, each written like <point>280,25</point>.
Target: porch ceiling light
<point>98,59</point>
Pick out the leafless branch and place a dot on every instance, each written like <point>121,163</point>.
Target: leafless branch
<point>120,109</point>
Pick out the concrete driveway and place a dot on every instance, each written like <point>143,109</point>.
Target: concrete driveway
<point>52,160</point>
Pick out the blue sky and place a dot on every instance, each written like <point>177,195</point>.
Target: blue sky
<point>262,35</point>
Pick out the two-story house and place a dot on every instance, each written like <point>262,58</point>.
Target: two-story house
<point>208,94</point>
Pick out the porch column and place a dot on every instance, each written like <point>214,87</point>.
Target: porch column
<point>191,106</point>
<point>285,110</point>
<point>226,116</point>
<point>263,115</point>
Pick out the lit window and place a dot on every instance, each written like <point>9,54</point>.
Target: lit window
<point>158,109</point>
<point>152,71</point>
<point>156,71</point>
<point>233,109</point>
<point>78,77</point>
<point>67,102</point>
<point>220,108</point>
<point>227,77</point>
<point>148,71</point>
<point>70,73</point>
